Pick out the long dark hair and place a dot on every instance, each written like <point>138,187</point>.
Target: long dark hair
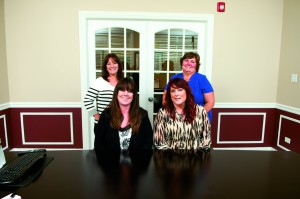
<point>105,73</point>
<point>191,55</point>
<point>135,112</point>
<point>190,106</point>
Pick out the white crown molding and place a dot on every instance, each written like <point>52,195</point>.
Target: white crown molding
<point>288,109</point>
<point>45,105</point>
<point>143,15</point>
<point>4,106</point>
<point>259,105</point>
<point>80,105</point>
<point>245,105</point>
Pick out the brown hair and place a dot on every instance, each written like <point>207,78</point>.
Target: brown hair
<point>135,112</point>
<point>191,55</point>
<point>105,73</point>
<point>189,109</point>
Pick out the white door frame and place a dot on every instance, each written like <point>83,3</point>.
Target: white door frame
<point>86,16</point>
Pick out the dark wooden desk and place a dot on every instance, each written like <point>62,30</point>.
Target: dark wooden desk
<point>220,174</point>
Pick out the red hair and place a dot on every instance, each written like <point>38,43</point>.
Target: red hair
<point>190,107</point>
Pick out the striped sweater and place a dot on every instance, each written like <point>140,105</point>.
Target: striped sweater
<point>100,91</point>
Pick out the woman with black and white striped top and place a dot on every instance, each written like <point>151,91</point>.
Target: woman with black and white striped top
<point>103,87</point>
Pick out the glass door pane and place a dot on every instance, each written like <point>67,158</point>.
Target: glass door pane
<point>170,45</point>
<point>124,43</point>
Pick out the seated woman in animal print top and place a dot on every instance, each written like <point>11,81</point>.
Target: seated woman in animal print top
<point>181,123</point>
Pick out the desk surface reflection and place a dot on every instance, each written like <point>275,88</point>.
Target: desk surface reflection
<point>167,174</point>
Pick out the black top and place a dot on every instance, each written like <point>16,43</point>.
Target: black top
<point>107,138</point>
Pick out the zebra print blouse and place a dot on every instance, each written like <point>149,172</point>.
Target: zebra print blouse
<point>178,134</point>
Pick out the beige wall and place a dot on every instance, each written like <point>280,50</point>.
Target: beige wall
<point>43,46</point>
<point>246,51</point>
<point>4,95</point>
<point>289,93</point>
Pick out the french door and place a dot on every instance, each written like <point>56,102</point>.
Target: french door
<point>150,51</point>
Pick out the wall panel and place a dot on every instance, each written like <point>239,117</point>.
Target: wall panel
<point>3,130</point>
<point>288,137</point>
<point>243,127</point>
<point>46,128</point>
<point>231,127</point>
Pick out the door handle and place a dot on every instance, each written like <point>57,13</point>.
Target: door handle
<point>150,99</point>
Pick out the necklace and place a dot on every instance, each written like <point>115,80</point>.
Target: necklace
<point>179,116</point>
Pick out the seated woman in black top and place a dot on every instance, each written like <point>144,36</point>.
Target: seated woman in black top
<point>124,125</point>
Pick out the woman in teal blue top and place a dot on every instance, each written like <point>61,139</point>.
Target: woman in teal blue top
<point>202,89</point>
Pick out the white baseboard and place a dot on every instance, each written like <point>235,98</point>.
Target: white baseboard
<point>51,149</point>
<point>248,148</point>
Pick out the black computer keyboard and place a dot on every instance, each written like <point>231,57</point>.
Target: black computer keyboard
<point>14,170</point>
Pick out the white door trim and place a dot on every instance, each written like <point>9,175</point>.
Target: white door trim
<point>85,16</point>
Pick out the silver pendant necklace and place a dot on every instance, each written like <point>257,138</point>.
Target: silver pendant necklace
<point>179,116</point>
